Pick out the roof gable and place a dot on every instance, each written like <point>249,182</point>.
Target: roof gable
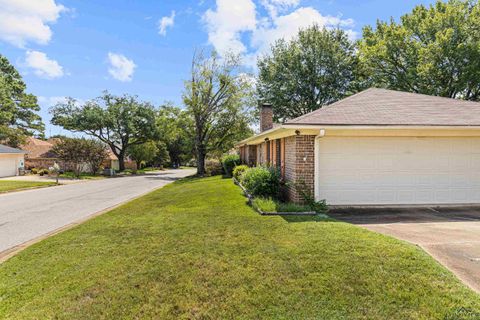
<point>37,148</point>
<point>6,149</point>
<point>387,107</point>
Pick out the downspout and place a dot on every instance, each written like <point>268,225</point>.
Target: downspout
<point>316,177</point>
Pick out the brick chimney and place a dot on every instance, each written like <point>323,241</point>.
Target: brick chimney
<point>266,117</point>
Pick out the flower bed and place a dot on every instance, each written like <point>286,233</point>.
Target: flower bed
<point>270,207</point>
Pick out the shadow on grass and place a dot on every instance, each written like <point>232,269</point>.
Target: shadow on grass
<point>304,218</point>
<point>406,214</point>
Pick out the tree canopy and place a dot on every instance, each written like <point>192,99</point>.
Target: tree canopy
<point>143,153</point>
<point>176,128</point>
<point>81,154</point>
<point>118,121</point>
<point>18,109</point>
<point>432,50</point>
<point>216,97</point>
<point>317,67</point>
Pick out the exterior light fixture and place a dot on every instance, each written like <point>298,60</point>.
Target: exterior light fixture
<point>266,139</point>
<point>297,132</point>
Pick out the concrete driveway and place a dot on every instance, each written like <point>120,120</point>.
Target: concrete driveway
<point>29,215</point>
<point>450,235</point>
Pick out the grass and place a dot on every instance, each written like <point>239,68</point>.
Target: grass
<point>129,172</point>
<point>83,176</point>
<point>148,169</point>
<point>270,205</point>
<point>195,250</point>
<point>12,185</point>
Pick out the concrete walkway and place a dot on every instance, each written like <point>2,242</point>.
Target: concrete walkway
<point>29,215</point>
<point>450,235</point>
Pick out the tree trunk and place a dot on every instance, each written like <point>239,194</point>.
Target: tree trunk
<point>201,163</point>
<point>121,160</point>
<point>139,165</point>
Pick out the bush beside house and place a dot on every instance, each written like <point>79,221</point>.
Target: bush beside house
<point>262,181</point>
<point>238,171</point>
<point>229,162</point>
<point>265,184</point>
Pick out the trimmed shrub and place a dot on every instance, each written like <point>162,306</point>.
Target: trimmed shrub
<point>43,172</point>
<point>229,162</point>
<point>213,167</point>
<point>262,181</point>
<point>238,171</point>
<point>270,205</point>
<point>34,171</point>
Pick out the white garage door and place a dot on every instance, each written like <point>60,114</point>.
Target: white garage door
<point>371,170</point>
<point>7,167</point>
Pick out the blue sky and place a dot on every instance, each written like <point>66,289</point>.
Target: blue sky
<point>80,48</point>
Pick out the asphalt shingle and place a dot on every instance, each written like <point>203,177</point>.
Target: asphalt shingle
<point>7,149</point>
<point>387,107</point>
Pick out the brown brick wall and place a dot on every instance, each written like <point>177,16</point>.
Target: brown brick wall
<point>299,164</point>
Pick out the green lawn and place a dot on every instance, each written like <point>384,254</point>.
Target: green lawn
<point>195,250</point>
<point>83,176</point>
<point>12,185</point>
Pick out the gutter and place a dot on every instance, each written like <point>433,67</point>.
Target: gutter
<point>288,129</point>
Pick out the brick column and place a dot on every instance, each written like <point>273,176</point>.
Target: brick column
<point>299,164</point>
<point>252,155</point>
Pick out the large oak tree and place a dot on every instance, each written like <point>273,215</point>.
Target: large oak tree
<point>118,121</point>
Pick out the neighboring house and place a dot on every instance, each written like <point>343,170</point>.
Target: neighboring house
<point>39,153</point>
<point>11,159</point>
<point>377,147</point>
<point>111,162</point>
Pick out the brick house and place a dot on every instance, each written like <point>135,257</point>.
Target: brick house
<point>377,147</point>
<point>39,155</point>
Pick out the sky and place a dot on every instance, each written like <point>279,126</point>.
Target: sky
<point>79,48</point>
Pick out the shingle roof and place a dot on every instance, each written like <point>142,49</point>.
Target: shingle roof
<point>37,148</point>
<point>7,149</point>
<point>386,107</point>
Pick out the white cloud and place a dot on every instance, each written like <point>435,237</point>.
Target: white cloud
<point>50,101</point>
<point>166,22</point>
<point>275,6</point>
<point>240,28</point>
<point>22,21</point>
<point>227,22</point>
<point>287,26</point>
<point>43,66</point>
<point>121,68</point>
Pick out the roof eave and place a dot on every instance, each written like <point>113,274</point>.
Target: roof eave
<point>289,129</point>
<point>377,126</point>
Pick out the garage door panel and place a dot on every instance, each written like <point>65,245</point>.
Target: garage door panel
<point>7,167</point>
<point>403,170</point>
